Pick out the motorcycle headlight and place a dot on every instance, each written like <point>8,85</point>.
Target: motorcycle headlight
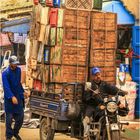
<point>112,107</point>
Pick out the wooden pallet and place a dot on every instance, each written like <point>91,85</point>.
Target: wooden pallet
<point>79,4</point>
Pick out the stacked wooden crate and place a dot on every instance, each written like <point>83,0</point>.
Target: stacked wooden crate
<point>59,48</point>
<point>69,59</point>
<point>38,71</point>
<point>103,43</point>
<point>79,4</point>
<point>66,44</point>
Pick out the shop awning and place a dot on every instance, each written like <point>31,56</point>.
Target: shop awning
<point>16,26</point>
<point>123,16</point>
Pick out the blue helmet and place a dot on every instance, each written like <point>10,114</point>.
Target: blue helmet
<point>95,70</point>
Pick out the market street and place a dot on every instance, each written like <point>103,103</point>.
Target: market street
<point>33,134</point>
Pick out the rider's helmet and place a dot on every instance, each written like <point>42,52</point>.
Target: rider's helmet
<point>95,70</point>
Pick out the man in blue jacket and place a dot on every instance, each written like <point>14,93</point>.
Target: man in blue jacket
<point>13,98</point>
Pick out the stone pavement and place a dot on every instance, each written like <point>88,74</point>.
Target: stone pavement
<point>131,133</point>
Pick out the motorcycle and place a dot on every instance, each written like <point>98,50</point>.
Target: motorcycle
<point>105,123</point>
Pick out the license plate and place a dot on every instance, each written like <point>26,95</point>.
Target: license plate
<point>114,126</point>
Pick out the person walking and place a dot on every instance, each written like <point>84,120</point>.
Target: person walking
<point>13,98</point>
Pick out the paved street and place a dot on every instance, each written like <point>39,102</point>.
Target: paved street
<point>33,134</point>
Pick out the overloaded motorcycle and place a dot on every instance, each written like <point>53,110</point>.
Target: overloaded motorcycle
<point>105,124</point>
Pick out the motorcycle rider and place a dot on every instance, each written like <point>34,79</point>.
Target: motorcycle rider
<point>92,101</point>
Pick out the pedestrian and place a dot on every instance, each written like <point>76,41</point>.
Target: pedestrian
<point>13,98</point>
<point>93,102</point>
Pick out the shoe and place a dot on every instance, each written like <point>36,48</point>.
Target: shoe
<point>18,137</point>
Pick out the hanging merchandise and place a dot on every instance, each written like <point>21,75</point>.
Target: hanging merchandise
<point>46,55</point>
<point>4,40</point>
<point>122,75</point>
<point>127,70</point>
<point>53,37</point>
<point>122,67</point>
<point>60,18</point>
<point>36,2</point>
<point>49,3</point>
<point>47,33</point>
<point>53,17</point>
<point>59,36</point>
<point>56,3</point>
<point>44,15</point>
<point>19,38</point>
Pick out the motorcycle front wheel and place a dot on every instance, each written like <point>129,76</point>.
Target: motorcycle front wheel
<point>115,135</point>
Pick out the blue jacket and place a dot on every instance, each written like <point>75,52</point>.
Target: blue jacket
<point>12,87</point>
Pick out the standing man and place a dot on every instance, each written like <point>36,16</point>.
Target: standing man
<point>93,102</point>
<point>13,98</point>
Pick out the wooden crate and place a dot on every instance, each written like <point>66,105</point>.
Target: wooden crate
<point>103,30</point>
<point>54,88</point>
<point>56,55</point>
<point>53,36</point>
<point>37,29</point>
<point>63,73</point>
<point>75,56</point>
<point>44,15</point>
<point>77,19</point>
<point>42,33</point>
<point>56,73</point>
<point>103,21</point>
<point>76,37</point>
<point>60,17</point>
<point>74,74</point>
<point>104,36</point>
<point>101,45</point>
<point>60,33</point>
<point>73,92</point>
<point>34,49</point>
<point>46,73</point>
<point>102,57</point>
<point>79,4</point>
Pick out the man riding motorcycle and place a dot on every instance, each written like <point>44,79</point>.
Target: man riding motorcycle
<point>92,98</point>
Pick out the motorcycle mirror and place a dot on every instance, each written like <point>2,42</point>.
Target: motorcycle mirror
<point>87,86</point>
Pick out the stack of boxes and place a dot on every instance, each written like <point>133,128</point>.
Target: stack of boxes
<point>103,44</point>
<point>65,44</point>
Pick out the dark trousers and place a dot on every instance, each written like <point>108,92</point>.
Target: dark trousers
<point>18,117</point>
